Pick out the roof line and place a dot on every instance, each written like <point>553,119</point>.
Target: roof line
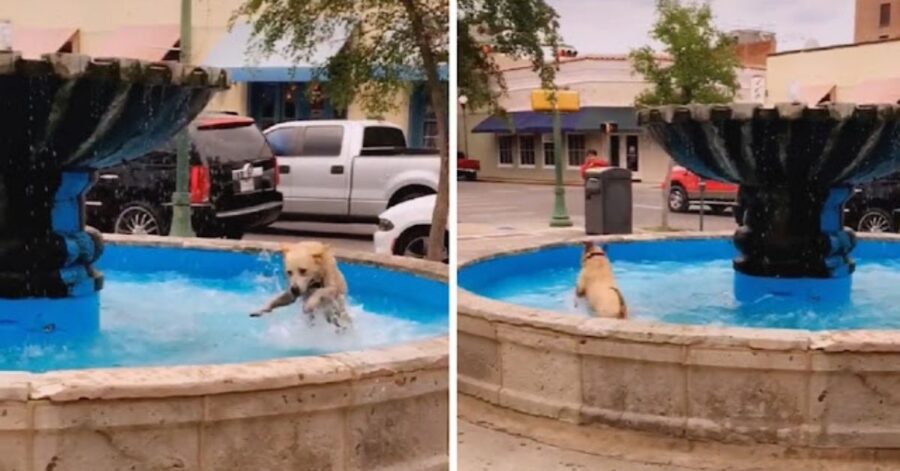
<point>834,46</point>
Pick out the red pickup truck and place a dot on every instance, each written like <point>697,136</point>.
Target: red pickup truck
<point>467,168</point>
<point>684,191</point>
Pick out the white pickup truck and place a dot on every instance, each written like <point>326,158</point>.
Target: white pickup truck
<point>348,169</point>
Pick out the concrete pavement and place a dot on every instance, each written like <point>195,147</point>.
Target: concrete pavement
<point>506,209</point>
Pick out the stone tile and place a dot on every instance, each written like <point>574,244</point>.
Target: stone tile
<point>476,326</point>
<point>302,399</point>
<point>638,394</point>
<point>748,359</point>
<point>855,408</point>
<point>401,386</point>
<point>277,443</point>
<point>14,451</point>
<point>88,448</point>
<point>537,338</point>
<point>540,382</point>
<point>479,358</point>
<point>657,353</point>
<point>765,406</point>
<point>122,413</point>
<point>391,435</point>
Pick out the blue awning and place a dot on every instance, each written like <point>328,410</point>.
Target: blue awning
<point>587,119</point>
<point>232,53</point>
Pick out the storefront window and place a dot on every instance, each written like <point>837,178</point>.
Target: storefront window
<point>505,148</point>
<point>526,151</point>
<point>429,127</point>
<point>277,102</point>
<point>549,151</point>
<point>576,147</point>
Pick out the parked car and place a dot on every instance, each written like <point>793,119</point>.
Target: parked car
<point>684,191</point>
<point>466,168</point>
<point>233,180</point>
<point>351,170</point>
<point>875,207</point>
<point>403,229</point>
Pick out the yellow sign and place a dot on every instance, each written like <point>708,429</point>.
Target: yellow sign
<point>566,100</point>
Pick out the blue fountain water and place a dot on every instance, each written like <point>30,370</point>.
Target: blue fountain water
<point>693,282</point>
<point>166,306</point>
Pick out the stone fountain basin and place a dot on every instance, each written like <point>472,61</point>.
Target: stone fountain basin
<point>796,388</point>
<point>376,409</point>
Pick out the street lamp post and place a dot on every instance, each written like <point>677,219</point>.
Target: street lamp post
<point>181,203</point>
<point>560,216</point>
<point>463,101</point>
<point>557,102</point>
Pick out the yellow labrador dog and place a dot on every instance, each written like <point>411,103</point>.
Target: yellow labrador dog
<point>313,275</point>
<point>597,284</point>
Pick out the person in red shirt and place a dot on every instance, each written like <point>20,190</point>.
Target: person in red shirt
<point>592,160</point>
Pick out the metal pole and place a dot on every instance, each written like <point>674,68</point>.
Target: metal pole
<point>466,132</point>
<point>702,201</point>
<point>560,216</point>
<point>181,203</point>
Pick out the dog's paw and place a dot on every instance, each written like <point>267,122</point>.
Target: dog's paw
<point>310,305</point>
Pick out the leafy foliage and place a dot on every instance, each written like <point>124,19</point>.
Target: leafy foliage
<point>703,58</point>
<point>518,29</point>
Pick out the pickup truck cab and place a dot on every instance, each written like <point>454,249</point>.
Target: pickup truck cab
<point>348,169</point>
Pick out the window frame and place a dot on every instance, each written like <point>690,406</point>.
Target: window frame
<point>547,139</point>
<point>568,150</point>
<point>512,150</point>
<point>520,148</point>
<point>884,20</point>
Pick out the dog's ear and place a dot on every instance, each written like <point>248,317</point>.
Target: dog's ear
<point>588,245</point>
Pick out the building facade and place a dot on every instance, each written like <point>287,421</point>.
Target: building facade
<point>876,20</point>
<point>272,89</point>
<point>519,146</point>
<point>856,73</point>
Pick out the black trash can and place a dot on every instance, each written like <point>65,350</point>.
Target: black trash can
<point>607,201</point>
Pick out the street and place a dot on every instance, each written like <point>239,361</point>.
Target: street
<point>488,209</point>
<point>343,236</point>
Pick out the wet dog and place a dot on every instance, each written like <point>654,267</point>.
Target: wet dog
<point>313,276</point>
<point>597,284</point>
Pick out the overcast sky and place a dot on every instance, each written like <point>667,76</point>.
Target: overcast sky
<point>616,26</point>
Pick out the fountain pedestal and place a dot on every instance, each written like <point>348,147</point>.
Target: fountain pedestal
<point>66,116</point>
<point>795,166</point>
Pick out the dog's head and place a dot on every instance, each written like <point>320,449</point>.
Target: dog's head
<point>592,252</point>
<point>306,265</point>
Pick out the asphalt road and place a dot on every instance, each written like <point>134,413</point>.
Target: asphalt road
<point>504,205</point>
<point>345,236</point>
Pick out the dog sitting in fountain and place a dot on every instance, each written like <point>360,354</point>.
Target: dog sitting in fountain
<point>313,275</point>
<point>597,284</point>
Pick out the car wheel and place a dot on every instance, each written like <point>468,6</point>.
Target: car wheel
<point>678,200</point>
<point>234,234</point>
<point>875,220</point>
<point>138,219</point>
<point>414,243</point>
<point>471,176</point>
<point>407,197</point>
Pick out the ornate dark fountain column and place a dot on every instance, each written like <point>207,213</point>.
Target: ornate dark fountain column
<point>62,118</point>
<point>796,166</point>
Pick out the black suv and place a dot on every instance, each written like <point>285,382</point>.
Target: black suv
<point>233,179</point>
<point>874,207</point>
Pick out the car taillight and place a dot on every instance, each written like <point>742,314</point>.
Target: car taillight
<point>276,173</point>
<point>199,184</point>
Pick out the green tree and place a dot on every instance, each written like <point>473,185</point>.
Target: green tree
<point>702,68</point>
<point>487,29</point>
<point>392,43</point>
<point>703,58</point>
